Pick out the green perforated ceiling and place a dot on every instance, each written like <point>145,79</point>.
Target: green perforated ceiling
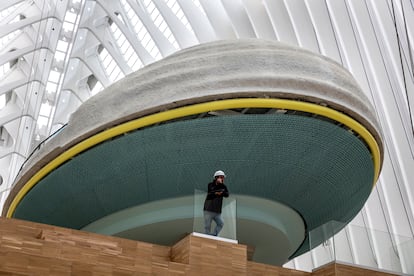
<point>316,167</point>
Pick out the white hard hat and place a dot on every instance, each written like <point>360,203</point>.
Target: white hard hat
<point>219,173</point>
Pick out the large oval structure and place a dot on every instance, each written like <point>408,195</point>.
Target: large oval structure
<point>296,136</point>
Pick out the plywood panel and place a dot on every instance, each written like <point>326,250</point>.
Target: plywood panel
<point>28,248</point>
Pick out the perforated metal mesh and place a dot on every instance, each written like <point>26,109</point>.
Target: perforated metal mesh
<point>319,169</point>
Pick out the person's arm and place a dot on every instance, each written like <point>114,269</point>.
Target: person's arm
<point>222,192</point>
<point>226,192</point>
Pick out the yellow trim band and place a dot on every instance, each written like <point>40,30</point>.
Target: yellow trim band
<point>197,109</point>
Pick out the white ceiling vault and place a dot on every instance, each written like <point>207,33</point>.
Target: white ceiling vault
<point>55,54</point>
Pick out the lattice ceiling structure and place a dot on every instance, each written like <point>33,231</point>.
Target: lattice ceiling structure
<point>55,54</point>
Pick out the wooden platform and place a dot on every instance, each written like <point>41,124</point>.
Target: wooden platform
<point>28,248</point>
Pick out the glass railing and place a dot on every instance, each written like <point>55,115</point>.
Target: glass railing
<point>228,215</point>
<point>363,247</point>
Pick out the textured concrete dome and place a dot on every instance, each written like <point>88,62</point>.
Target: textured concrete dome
<point>297,138</point>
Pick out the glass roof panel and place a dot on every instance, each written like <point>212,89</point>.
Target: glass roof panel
<point>142,33</point>
<point>160,22</point>
<point>7,38</point>
<point>42,121</point>
<point>97,88</point>
<point>62,46</point>
<point>51,87</point>
<point>59,56</point>
<point>2,101</point>
<point>54,76</point>
<point>198,5</point>
<point>109,64</point>
<point>176,9</point>
<point>45,109</point>
<point>6,12</point>
<point>70,17</point>
<point>4,69</point>
<point>68,27</point>
<point>125,47</point>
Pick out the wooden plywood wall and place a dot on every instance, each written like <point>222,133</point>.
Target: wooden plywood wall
<point>28,248</point>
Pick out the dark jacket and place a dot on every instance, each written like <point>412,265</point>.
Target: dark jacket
<point>214,202</point>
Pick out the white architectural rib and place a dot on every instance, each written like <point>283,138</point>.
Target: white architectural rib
<point>160,40</point>
<point>126,31</point>
<point>218,19</point>
<point>183,36</point>
<point>175,8</point>
<point>9,114</point>
<point>101,31</point>
<point>395,79</point>
<point>345,35</point>
<point>326,39</point>
<point>302,25</point>
<point>281,22</point>
<point>8,8</point>
<point>239,18</point>
<point>199,22</point>
<point>405,70</point>
<point>138,35</point>
<point>93,63</point>
<point>159,21</point>
<point>126,49</point>
<point>260,20</point>
<point>379,79</point>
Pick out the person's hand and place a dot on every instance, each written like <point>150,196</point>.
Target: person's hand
<point>219,193</point>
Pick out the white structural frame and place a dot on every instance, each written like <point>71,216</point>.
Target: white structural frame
<point>50,64</point>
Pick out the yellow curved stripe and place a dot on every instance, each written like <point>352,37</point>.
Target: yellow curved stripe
<point>197,109</point>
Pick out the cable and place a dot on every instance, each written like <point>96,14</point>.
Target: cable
<point>402,61</point>
<point>410,53</point>
<point>412,66</point>
<point>395,174</point>
<point>25,99</point>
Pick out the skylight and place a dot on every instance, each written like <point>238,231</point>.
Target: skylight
<point>7,38</point>
<point>15,19</point>
<point>126,49</point>
<point>198,5</point>
<point>45,109</point>
<point>42,122</point>
<point>2,101</point>
<point>59,56</point>
<point>97,88</point>
<point>51,87</point>
<point>54,76</point>
<point>69,21</point>
<point>62,46</point>
<point>52,81</point>
<point>142,33</point>
<point>4,69</point>
<point>112,69</point>
<point>70,17</point>
<point>159,21</point>
<point>68,26</point>
<point>176,9</point>
<point>6,12</point>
